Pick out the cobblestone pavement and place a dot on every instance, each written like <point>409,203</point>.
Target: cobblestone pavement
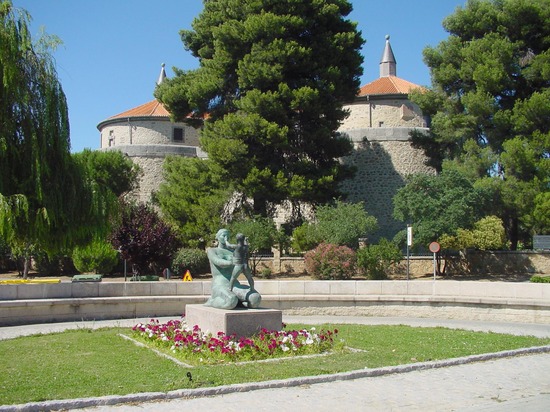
<point>509,384</point>
<point>505,384</point>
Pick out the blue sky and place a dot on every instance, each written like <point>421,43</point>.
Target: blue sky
<point>113,49</point>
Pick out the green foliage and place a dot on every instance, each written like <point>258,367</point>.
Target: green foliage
<point>192,198</point>
<point>112,170</point>
<point>490,105</point>
<point>305,237</point>
<point>98,256</point>
<point>331,262</point>
<point>487,234</point>
<point>344,223</point>
<point>144,239</point>
<point>376,259</point>
<point>47,265</point>
<point>438,205</point>
<point>194,260</point>
<point>540,279</point>
<point>339,223</point>
<point>260,231</point>
<point>541,214</point>
<point>46,203</point>
<point>272,78</point>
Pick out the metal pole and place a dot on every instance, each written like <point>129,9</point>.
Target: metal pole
<point>408,262</point>
<point>124,270</point>
<point>434,266</point>
<point>409,244</point>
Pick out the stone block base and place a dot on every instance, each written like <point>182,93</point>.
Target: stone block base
<point>239,321</point>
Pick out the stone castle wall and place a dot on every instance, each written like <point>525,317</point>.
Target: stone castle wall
<point>383,155</point>
<point>383,162</point>
<point>147,143</point>
<point>396,112</point>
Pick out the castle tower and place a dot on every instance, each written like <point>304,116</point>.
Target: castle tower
<point>147,135</point>
<point>379,124</point>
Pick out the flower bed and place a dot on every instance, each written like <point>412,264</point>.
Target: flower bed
<point>197,347</point>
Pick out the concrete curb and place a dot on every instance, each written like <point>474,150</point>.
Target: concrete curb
<point>246,387</point>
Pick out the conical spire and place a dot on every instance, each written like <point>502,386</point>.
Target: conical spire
<point>388,65</point>
<point>162,74</point>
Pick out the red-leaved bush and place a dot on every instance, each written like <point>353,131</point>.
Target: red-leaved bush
<point>328,261</point>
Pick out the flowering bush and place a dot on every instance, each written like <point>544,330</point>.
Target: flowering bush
<point>195,346</point>
<point>328,261</point>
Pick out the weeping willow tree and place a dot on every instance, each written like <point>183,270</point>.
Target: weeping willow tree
<point>46,201</point>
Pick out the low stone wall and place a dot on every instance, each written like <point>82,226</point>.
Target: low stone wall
<point>514,302</point>
<point>472,263</point>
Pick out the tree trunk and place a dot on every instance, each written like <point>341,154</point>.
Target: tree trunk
<point>26,265</point>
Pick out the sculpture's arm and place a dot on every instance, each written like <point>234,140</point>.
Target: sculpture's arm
<point>217,260</point>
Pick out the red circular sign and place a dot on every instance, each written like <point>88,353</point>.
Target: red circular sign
<point>434,247</point>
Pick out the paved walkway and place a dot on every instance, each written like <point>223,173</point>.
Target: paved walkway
<point>501,384</point>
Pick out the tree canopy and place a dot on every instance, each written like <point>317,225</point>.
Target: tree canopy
<point>111,170</point>
<point>272,79</point>
<point>438,205</point>
<point>490,105</point>
<point>192,198</point>
<point>46,203</point>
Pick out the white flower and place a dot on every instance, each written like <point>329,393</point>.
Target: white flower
<point>285,348</point>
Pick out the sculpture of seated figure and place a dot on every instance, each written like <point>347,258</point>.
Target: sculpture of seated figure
<point>221,266</point>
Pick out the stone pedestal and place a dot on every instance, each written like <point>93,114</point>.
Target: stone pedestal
<point>239,321</point>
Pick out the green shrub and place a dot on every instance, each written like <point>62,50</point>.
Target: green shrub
<point>344,223</point>
<point>375,260</point>
<point>46,265</point>
<point>194,260</point>
<point>540,279</point>
<point>328,261</point>
<point>304,238</point>
<point>487,234</point>
<point>98,256</point>
<point>266,273</point>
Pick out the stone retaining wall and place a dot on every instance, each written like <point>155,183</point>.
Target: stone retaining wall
<point>67,301</point>
<point>473,263</point>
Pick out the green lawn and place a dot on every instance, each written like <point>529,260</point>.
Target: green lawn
<point>86,363</point>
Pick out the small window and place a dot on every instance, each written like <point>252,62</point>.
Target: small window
<point>380,124</point>
<point>178,135</point>
<point>111,138</point>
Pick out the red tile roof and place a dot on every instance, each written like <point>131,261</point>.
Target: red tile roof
<point>388,85</point>
<point>152,109</point>
<point>382,85</point>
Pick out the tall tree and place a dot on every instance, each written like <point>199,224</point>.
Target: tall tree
<point>272,79</point>
<point>45,203</point>
<point>490,103</point>
<point>192,198</point>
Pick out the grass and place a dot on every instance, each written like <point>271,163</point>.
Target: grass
<point>88,363</point>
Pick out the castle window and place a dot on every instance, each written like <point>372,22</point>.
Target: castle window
<point>380,124</point>
<point>178,135</point>
<point>111,138</point>
<point>406,113</point>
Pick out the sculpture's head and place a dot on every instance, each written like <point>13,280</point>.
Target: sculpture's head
<point>222,236</point>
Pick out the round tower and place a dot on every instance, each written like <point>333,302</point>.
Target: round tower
<point>147,135</point>
<point>379,124</point>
